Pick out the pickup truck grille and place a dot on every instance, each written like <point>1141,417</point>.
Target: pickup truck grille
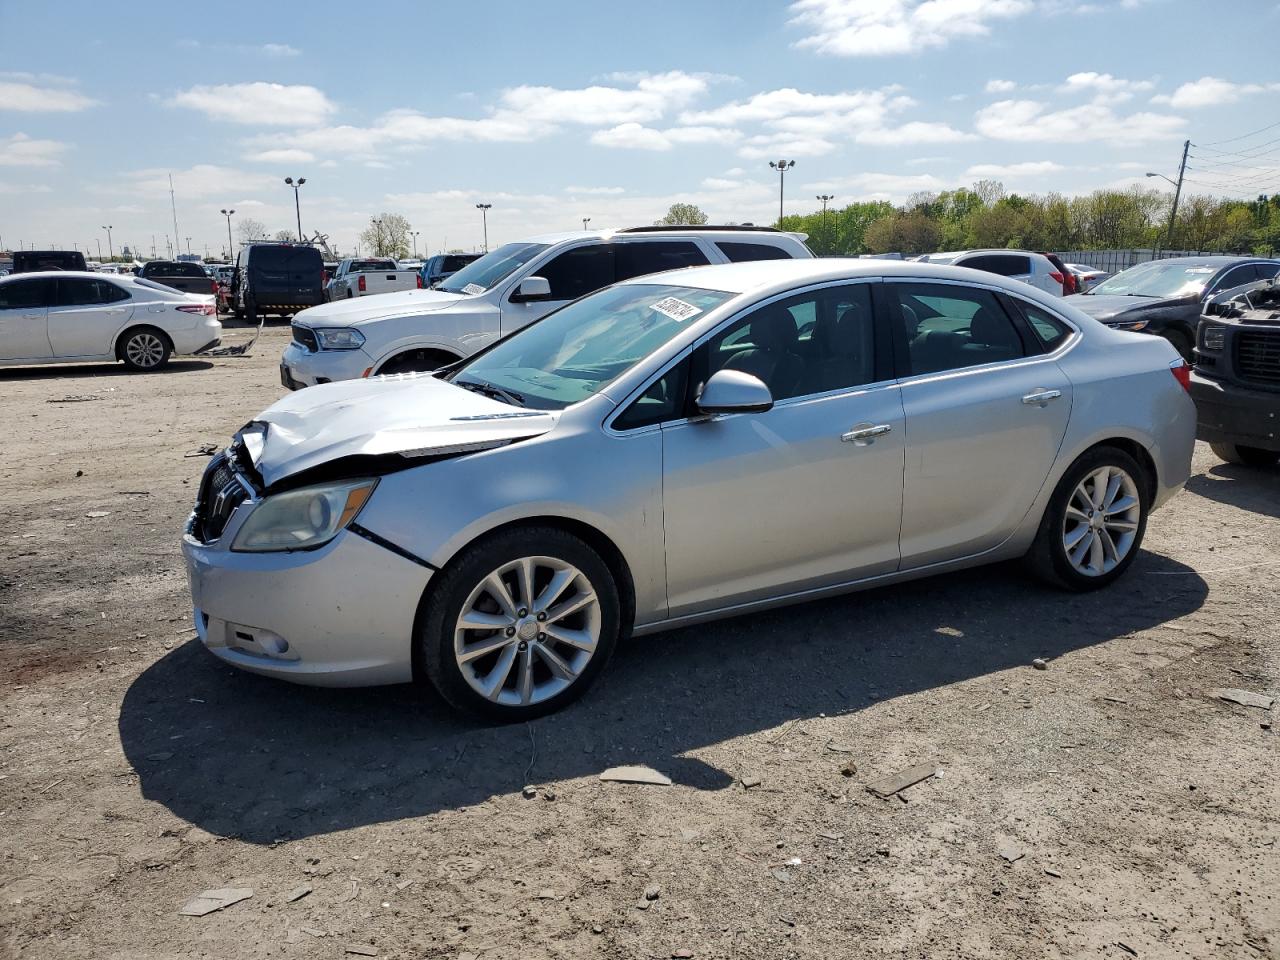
<point>221,491</point>
<point>1258,356</point>
<point>305,336</point>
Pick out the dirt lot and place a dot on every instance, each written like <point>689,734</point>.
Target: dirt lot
<point>1141,816</point>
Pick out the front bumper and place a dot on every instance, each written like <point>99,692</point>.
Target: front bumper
<point>342,615</point>
<point>1228,413</point>
<point>300,367</point>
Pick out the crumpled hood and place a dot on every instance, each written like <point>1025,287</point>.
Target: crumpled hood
<point>415,415</point>
<point>1106,307</point>
<point>400,303</point>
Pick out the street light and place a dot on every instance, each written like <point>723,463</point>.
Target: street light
<point>1164,178</point>
<point>188,246</point>
<point>782,166</point>
<point>378,250</point>
<point>296,207</point>
<point>484,217</point>
<point>414,234</point>
<point>230,246</point>
<point>824,197</point>
<point>110,249</point>
<point>585,221</point>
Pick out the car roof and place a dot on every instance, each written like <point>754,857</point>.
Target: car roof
<point>765,277</point>
<point>87,274</point>
<point>667,233</point>
<point>1214,260</point>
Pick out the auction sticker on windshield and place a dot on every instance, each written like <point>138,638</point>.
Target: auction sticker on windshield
<point>474,289</point>
<point>675,308</point>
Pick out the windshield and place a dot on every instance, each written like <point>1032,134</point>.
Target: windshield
<point>574,352</point>
<point>492,268</point>
<point>1157,278</point>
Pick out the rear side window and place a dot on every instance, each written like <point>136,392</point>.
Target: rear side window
<point>1049,330</point>
<point>949,327</point>
<point>1003,264</point>
<point>578,272</point>
<point>78,292</point>
<point>1245,273</point>
<point>639,258</point>
<point>745,252</point>
<point>26,294</point>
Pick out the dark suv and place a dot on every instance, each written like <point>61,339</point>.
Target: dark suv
<point>443,266</point>
<point>276,278</point>
<point>1236,377</point>
<point>30,261</point>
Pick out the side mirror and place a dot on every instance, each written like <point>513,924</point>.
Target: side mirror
<point>732,391</point>
<point>530,289</point>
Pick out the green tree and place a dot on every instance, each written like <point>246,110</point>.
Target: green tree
<point>386,236</point>
<point>907,233</point>
<point>682,214</point>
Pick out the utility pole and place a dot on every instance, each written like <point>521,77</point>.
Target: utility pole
<point>824,197</point>
<point>188,246</point>
<point>153,246</point>
<point>484,216</point>
<point>174,205</point>
<point>99,242</point>
<point>782,166</point>
<point>1177,193</point>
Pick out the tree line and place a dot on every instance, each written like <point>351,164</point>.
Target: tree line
<point>985,215</point>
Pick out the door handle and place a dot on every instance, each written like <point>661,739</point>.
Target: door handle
<point>1040,398</point>
<point>865,433</point>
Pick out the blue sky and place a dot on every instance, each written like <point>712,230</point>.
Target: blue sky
<point>556,111</point>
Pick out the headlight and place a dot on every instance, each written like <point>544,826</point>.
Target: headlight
<point>339,338</point>
<point>1213,337</point>
<point>302,519</point>
<point>1131,325</point>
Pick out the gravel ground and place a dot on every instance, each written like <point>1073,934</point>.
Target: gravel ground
<point>1105,806</point>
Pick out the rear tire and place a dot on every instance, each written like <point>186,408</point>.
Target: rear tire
<point>1245,456</point>
<point>1094,522</point>
<point>417,361</point>
<point>144,349</point>
<point>519,635</point>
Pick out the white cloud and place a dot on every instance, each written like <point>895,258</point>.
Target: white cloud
<point>279,50</point>
<point>785,146</point>
<point>595,191</point>
<point>29,98</point>
<point>1102,83</point>
<point>1000,86</point>
<point>914,132</point>
<point>868,28</point>
<point>263,104</point>
<point>21,150</point>
<point>635,136</point>
<point>894,187</point>
<point>202,180</point>
<point>1014,171</point>
<point>651,98</point>
<point>24,188</point>
<point>788,102</point>
<point>282,155</point>
<point>1031,120</point>
<point>1210,92</point>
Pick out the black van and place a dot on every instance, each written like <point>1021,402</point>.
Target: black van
<point>29,261</point>
<point>276,278</point>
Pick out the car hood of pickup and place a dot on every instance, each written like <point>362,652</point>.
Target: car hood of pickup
<point>410,415</point>
<point>357,309</point>
<point>1108,309</point>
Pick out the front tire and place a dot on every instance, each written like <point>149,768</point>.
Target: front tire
<point>520,624</point>
<point>144,349</point>
<point>1245,456</point>
<point>1094,522</point>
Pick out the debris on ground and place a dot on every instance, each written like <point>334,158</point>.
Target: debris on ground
<point>636,774</point>
<point>652,892</point>
<point>749,780</point>
<point>361,949</point>
<point>1246,698</point>
<point>296,894</point>
<point>1040,664</point>
<point>204,450</point>
<point>75,398</point>
<point>900,781</point>
<point>214,900</point>
<point>1009,851</point>
<point>848,769</point>
<point>97,514</point>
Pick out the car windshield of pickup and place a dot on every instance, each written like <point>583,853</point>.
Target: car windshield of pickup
<point>364,266</point>
<point>168,268</point>
<point>492,268</point>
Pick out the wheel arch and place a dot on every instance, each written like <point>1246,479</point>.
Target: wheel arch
<point>131,328</point>
<point>398,352</point>
<point>592,536</point>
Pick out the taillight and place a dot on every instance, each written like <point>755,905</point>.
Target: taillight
<point>360,283</point>
<point>1182,373</point>
<point>1057,276</point>
<point>214,285</point>
<point>419,276</point>
<point>203,308</point>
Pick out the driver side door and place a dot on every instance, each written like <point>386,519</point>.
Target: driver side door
<point>571,274</point>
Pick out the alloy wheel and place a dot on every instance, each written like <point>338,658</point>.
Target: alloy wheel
<point>1101,521</point>
<point>144,350</point>
<point>527,631</point>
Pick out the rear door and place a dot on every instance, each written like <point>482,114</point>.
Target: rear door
<point>86,315</point>
<point>986,410</point>
<point>24,308</point>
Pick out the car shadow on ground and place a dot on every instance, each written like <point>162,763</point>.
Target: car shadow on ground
<point>240,755</point>
<point>76,371</point>
<point>1256,489</point>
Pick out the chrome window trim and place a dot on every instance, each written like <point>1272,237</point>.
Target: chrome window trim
<point>737,315</point>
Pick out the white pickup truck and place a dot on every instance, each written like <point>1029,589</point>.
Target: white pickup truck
<point>369,276</point>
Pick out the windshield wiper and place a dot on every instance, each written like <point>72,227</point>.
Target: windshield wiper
<point>491,390</point>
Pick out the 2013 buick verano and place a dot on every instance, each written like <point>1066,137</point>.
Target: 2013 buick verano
<point>675,448</point>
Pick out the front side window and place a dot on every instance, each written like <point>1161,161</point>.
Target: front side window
<point>662,400</point>
<point>492,268</point>
<point>580,271</point>
<point>639,258</point>
<point>1237,277</point>
<point>574,352</point>
<point>26,294</point>
<point>948,327</point>
<point>810,343</point>
<point>77,292</point>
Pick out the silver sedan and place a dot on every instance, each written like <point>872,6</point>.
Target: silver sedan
<point>698,444</point>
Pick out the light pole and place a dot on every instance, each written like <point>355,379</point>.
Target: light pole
<point>484,217</point>
<point>378,250</point>
<point>782,166</point>
<point>230,246</point>
<point>99,243</point>
<point>1177,191</point>
<point>824,197</point>
<point>188,246</point>
<point>585,221</point>
<point>296,206</point>
<point>110,249</point>
<point>414,234</point>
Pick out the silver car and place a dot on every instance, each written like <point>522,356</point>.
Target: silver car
<point>690,445</point>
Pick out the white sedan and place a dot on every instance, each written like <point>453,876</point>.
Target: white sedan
<point>77,317</point>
